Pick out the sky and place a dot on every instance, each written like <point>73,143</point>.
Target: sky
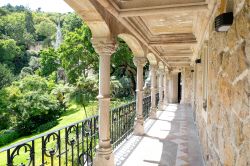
<point>46,5</point>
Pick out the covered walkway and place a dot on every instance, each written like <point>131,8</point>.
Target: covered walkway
<point>169,140</point>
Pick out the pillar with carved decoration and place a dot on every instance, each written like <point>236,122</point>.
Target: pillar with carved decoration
<point>139,121</point>
<point>104,154</point>
<point>165,85</point>
<point>160,79</point>
<point>153,108</point>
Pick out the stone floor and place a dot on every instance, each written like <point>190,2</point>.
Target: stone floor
<point>170,140</point>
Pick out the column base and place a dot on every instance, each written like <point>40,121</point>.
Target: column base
<point>104,157</point>
<point>165,105</point>
<point>152,113</point>
<point>160,106</point>
<point>139,127</point>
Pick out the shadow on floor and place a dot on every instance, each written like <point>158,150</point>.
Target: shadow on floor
<point>175,131</point>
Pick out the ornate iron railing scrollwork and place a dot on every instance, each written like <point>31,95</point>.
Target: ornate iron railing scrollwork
<point>74,144</point>
<point>16,152</point>
<point>122,122</point>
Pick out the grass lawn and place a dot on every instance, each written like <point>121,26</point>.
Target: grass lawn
<point>73,114</point>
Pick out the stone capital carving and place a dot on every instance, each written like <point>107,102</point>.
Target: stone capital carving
<point>160,71</point>
<point>139,61</point>
<point>104,48</point>
<point>153,67</point>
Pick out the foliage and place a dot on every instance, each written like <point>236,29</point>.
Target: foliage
<point>77,54</point>
<point>49,61</point>
<point>45,30</point>
<point>46,126</point>
<point>86,90</point>
<point>6,76</point>
<point>13,25</point>
<point>8,50</point>
<point>61,92</point>
<point>71,22</point>
<point>122,66</point>
<point>4,115</point>
<point>31,103</point>
<point>18,8</point>
<point>26,71</point>
<point>7,136</point>
<point>29,23</point>
<point>34,63</point>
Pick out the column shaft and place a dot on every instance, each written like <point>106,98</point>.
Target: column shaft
<point>139,121</point>
<point>153,92</point>
<point>165,89</point>
<point>104,155</point>
<point>160,90</point>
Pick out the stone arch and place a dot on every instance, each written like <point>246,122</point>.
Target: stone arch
<point>87,11</point>
<point>133,44</point>
<point>151,58</point>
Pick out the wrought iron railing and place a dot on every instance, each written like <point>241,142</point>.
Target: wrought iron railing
<point>74,144</point>
<point>122,122</point>
<point>146,106</point>
<point>71,145</point>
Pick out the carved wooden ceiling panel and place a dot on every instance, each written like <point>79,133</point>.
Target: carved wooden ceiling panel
<point>169,24</point>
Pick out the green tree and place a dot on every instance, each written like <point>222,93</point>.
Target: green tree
<point>49,61</point>
<point>26,71</point>
<point>29,23</point>
<point>8,50</point>
<point>14,26</point>
<point>122,66</point>
<point>4,115</point>
<point>45,30</point>
<point>71,22</point>
<point>6,76</point>
<point>31,103</point>
<point>77,54</point>
<point>86,89</point>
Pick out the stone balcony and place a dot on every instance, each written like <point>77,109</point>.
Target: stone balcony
<point>170,139</point>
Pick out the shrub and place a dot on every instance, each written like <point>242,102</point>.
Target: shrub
<point>31,103</point>
<point>46,126</point>
<point>6,75</point>
<point>7,136</point>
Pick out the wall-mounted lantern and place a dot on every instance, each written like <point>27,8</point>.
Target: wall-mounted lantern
<point>223,22</point>
<point>198,61</point>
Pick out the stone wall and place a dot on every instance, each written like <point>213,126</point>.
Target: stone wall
<point>224,127</point>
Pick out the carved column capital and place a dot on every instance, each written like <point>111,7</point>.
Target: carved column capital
<point>103,47</point>
<point>139,61</point>
<point>160,71</point>
<point>153,67</point>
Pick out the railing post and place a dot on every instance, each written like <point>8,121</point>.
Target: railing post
<point>153,90</point>
<point>139,121</point>
<point>104,155</point>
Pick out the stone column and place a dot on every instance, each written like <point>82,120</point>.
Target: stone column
<point>104,155</point>
<point>139,121</point>
<point>160,104</point>
<point>153,91</point>
<point>182,86</point>
<point>165,100</point>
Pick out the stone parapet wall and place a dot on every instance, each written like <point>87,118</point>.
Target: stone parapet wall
<point>224,128</point>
